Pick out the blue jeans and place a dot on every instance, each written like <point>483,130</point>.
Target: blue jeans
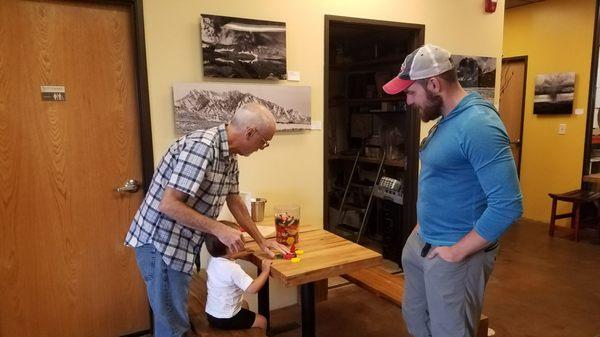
<point>167,292</point>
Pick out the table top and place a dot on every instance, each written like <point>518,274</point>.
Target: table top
<point>325,255</point>
<point>592,178</point>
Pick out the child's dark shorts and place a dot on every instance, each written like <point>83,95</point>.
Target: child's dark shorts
<point>242,320</point>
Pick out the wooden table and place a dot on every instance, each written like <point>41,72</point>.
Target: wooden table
<point>592,178</point>
<point>325,255</point>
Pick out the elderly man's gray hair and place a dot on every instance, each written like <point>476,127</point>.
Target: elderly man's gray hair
<point>253,115</point>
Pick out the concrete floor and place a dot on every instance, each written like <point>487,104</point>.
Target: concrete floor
<point>540,287</point>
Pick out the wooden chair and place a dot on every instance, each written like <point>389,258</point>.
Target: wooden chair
<point>577,198</point>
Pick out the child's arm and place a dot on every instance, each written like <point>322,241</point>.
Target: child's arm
<point>260,281</point>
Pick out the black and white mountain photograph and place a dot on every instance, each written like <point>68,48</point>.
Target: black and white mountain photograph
<point>554,93</point>
<point>476,73</point>
<point>243,48</point>
<point>205,105</point>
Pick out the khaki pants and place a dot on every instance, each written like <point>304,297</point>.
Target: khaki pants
<point>443,299</point>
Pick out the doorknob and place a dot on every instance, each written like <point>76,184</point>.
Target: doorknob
<point>517,141</point>
<point>130,186</point>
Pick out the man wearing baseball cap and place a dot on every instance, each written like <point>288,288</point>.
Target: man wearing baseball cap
<point>468,196</point>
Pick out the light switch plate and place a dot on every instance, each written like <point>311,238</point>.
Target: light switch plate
<point>562,129</point>
<point>579,111</point>
<point>315,125</point>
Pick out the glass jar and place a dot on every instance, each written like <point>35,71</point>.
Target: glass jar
<point>287,221</point>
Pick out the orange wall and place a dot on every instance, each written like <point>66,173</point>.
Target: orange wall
<point>557,36</point>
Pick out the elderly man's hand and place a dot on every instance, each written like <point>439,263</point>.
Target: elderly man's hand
<point>267,245</point>
<point>231,238</point>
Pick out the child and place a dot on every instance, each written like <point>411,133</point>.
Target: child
<point>226,284</point>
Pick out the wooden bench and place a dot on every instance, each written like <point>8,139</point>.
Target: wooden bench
<point>577,198</point>
<point>391,287</point>
<point>196,304</point>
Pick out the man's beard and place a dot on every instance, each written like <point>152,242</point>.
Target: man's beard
<point>432,108</point>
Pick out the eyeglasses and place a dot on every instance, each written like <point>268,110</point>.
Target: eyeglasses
<point>265,142</point>
<point>426,140</point>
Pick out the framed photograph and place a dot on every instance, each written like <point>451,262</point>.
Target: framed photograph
<point>476,73</point>
<point>205,105</point>
<point>243,48</point>
<point>554,93</point>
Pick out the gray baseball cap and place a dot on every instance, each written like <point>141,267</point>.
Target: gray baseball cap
<point>426,61</point>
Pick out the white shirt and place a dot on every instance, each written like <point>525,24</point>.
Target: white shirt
<point>226,284</point>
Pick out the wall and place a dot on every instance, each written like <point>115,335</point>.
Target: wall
<point>557,36</point>
<point>291,169</point>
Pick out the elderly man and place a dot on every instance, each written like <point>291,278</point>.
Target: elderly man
<point>197,175</point>
<point>468,196</point>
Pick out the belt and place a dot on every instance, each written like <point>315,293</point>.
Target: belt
<point>489,248</point>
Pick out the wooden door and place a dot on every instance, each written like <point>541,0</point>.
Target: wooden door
<point>64,270</point>
<point>512,95</point>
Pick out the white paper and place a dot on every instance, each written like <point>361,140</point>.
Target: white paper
<point>293,75</point>
<point>265,231</point>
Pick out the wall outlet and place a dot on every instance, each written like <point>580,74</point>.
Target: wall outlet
<point>562,129</point>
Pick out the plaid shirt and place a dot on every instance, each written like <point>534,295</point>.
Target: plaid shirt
<point>200,165</point>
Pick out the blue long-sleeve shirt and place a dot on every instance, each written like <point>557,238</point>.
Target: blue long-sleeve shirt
<point>468,178</point>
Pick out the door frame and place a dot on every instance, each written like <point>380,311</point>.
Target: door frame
<point>523,58</point>
<point>412,141</point>
<point>591,97</point>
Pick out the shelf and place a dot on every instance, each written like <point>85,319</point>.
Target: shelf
<point>346,227</point>
<point>361,185</point>
<point>354,207</point>
<point>394,163</point>
<point>356,185</point>
<point>350,207</point>
<point>367,100</point>
<point>373,112</point>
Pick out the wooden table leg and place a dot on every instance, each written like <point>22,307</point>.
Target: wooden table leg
<point>552,218</point>
<point>307,297</point>
<point>263,304</point>
<point>577,211</point>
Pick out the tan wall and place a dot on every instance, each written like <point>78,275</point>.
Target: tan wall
<point>557,36</point>
<point>291,170</point>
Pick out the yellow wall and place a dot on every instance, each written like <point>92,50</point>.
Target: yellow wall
<point>291,169</point>
<point>557,36</point>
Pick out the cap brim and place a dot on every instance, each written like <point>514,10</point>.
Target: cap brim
<point>397,85</point>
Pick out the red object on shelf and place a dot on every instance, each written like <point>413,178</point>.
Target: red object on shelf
<point>595,139</point>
